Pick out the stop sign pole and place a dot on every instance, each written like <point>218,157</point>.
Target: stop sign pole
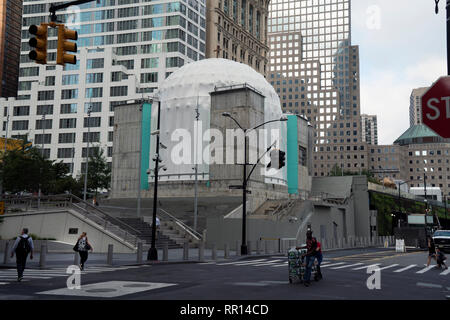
<point>436,107</point>
<point>448,32</point>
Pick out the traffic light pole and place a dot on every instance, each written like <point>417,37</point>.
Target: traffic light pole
<point>448,31</point>
<point>54,8</point>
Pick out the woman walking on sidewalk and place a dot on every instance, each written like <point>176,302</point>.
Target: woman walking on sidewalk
<point>83,247</point>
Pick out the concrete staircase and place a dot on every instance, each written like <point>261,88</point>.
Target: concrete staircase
<point>164,236</point>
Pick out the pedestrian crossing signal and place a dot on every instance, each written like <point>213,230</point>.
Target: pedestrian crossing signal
<point>39,42</point>
<point>64,46</point>
<point>281,159</point>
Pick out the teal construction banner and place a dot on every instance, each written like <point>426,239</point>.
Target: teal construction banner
<point>292,154</point>
<point>145,147</point>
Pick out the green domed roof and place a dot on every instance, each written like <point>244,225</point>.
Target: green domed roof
<point>418,133</point>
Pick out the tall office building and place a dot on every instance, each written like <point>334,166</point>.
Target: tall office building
<point>415,106</point>
<point>10,32</point>
<point>315,70</point>
<point>126,49</point>
<point>237,30</point>
<point>369,129</point>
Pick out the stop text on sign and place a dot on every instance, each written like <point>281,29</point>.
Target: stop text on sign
<point>437,112</point>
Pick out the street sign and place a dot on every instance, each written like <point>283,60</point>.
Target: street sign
<point>436,107</point>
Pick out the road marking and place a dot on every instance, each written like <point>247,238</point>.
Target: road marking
<point>446,272</point>
<point>406,268</point>
<point>366,267</point>
<point>3,283</point>
<point>110,289</point>
<point>333,264</point>
<point>267,263</point>
<point>250,284</point>
<point>347,266</point>
<point>237,263</point>
<point>426,269</point>
<point>428,285</point>
<point>391,266</point>
<point>284,264</point>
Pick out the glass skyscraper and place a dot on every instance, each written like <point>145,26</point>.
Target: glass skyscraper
<point>315,70</point>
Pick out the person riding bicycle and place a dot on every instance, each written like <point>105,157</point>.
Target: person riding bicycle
<point>311,253</point>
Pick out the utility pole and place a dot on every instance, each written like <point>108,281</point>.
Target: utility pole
<point>87,151</point>
<point>197,116</point>
<point>152,252</point>
<point>448,31</point>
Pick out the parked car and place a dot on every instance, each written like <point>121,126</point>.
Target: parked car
<point>442,240</point>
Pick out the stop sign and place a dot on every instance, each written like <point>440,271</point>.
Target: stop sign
<point>436,107</point>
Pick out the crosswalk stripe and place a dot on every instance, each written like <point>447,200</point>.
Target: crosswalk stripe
<point>241,262</point>
<point>332,264</point>
<point>406,268</point>
<point>446,272</point>
<point>388,267</point>
<point>425,269</point>
<point>347,266</point>
<point>267,263</point>
<point>31,277</point>
<point>284,264</point>
<point>366,267</point>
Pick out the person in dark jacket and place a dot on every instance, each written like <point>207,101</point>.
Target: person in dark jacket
<point>431,251</point>
<point>22,247</point>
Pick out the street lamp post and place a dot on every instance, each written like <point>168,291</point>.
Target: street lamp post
<point>448,31</point>
<point>87,152</point>
<point>152,252</point>
<point>245,179</point>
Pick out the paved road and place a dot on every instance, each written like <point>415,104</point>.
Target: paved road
<point>403,276</point>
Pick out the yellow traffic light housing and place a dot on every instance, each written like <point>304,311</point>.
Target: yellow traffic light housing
<point>65,34</point>
<point>39,42</point>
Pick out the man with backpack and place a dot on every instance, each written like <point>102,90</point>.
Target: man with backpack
<point>22,247</point>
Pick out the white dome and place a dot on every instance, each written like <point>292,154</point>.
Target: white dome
<point>188,88</point>
<point>201,77</point>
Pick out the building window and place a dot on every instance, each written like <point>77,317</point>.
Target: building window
<point>92,122</point>
<point>20,125</point>
<point>66,137</point>
<point>68,108</point>
<point>67,123</point>
<point>66,152</point>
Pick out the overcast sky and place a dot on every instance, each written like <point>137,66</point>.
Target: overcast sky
<point>402,46</point>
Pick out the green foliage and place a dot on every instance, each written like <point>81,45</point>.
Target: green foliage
<point>337,171</point>
<point>25,170</point>
<point>99,174</point>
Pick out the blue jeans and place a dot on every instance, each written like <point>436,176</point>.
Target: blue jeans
<point>319,257</point>
<point>309,263</point>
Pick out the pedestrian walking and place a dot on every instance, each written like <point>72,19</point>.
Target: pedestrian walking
<point>431,251</point>
<point>440,258</point>
<point>22,247</point>
<point>311,246</point>
<point>83,247</point>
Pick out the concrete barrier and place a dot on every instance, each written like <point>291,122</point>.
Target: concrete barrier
<point>258,247</point>
<point>238,248</point>
<point>109,259</point>
<point>226,253</point>
<point>201,252</point>
<point>140,251</point>
<point>6,254</point>
<point>43,255</point>
<point>340,243</point>
<point>166,252</point>
<point>214,252</point>
<point>186,251</point>
<point>266,246</point>
<point>249,248</point>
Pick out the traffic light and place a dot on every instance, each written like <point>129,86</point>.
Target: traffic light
<point>281,159</point>
<point>274,159</point>
<point>39,42</point>
<point>65,34</point>
<point>277,159</point>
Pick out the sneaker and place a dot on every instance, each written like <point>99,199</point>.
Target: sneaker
<point>19,279</point>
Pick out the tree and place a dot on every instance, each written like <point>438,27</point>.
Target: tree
<point>99,173</point>
<point>25,169</point>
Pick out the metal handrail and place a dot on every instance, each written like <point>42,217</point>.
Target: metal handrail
<point>119,222</point>
<point>194,233</point>
<point>105,225</point>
